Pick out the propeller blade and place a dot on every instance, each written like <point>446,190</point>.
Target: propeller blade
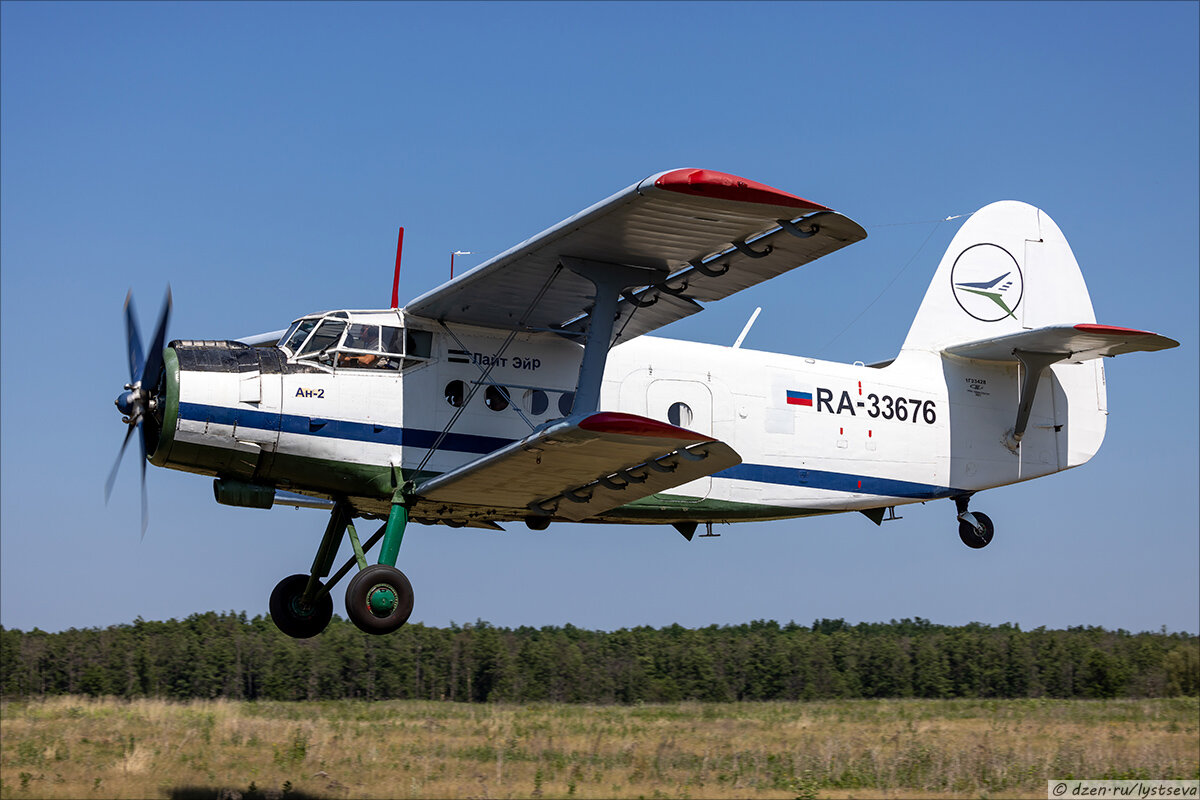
<point>112,476</point>
<point>133,341</point>
<point>154,359</point>
<point>145,504</point>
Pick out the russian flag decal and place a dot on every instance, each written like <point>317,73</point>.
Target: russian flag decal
<point>799,398</point>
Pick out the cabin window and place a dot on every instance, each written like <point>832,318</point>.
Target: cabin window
<point>456,393</point>
<point>680,415</point>
<point>566,401</point>
<point>496,398</point>
<point>535,401</point>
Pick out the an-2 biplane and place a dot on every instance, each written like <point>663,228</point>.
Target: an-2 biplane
<point>527,390</point>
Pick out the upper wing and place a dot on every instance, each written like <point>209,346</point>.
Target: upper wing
<point>1074,342</point>
<point>578,469</point>
<point>707,234</point>
<point>263,339</point>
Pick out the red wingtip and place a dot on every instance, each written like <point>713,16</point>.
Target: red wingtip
<point>1087,327</point>
<point>633,425</point>
<point>723,186</point>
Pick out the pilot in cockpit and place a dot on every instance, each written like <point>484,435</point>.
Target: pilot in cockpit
<point>361,337</point>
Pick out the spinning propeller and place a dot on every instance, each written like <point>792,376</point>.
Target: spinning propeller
<point>139,403</point>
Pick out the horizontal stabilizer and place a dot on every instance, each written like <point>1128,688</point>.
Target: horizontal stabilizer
<point>576,469</point>
<point>1072,342</point>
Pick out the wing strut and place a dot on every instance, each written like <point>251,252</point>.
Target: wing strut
<point>475,387</point>
<point>610,281</point>
<point>1033,365</point>
<point>488,380</point>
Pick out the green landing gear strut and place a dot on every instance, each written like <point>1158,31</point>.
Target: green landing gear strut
<point>300,604</point>
<point>379,598</point>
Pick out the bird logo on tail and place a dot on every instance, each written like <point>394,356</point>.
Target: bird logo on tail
<point>987,283</point>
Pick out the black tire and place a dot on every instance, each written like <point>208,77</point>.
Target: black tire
<point>293,619</point>
<point>389,613</point>
<point>972,538</point>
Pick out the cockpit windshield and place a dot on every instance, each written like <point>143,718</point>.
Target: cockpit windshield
<point>297,334</point>
<point>324,338</point>
<point>334,340</point>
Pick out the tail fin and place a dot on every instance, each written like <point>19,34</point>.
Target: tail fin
<point>1011,326</point>
<point>1008,269</point>
<point>1008,272</point>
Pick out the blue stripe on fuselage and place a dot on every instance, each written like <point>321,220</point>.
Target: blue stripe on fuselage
<point>340,429</point>
<point>481,445</point>
<point>835,481</point>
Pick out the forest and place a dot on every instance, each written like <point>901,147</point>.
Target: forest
<point>229,655</point>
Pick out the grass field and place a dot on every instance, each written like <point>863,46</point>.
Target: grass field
<point>73,747</point>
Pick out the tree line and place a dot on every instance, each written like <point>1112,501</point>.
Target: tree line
<point>231,656</point>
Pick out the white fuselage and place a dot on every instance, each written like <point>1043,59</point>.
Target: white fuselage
<point>814,436</point>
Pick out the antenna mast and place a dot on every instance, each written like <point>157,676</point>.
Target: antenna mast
<point>396,279</point>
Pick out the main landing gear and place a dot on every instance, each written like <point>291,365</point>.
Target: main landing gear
<point>974,527</point>
<point>379,598</point>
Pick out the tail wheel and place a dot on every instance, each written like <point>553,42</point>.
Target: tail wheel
<point>973,537</point>
<point>379,599</point>
<point>293,617</point>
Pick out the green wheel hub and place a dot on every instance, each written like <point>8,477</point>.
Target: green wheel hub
<point>382,600</point>
<point>379,599</point>
<point>300,610</point>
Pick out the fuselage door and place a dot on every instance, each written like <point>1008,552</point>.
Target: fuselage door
<point>689,405</point>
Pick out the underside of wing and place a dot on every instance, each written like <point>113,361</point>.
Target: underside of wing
<point>579,468</point>
<point>699,235</point>
<point>1072,342</point>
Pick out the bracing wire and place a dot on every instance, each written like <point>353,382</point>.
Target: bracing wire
<point>934,223</point>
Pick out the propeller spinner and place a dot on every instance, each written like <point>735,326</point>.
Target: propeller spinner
<point>140,400</point>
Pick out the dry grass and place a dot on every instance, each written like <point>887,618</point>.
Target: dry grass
<point>81,748</point>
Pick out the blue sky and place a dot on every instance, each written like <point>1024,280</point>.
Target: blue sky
<point>259,157</point>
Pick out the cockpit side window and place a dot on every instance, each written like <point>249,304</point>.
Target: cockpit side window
<point>393,340</point>
<point>419,344</point>
<point>361,348</point>
<point>362,337</point>
<point>386,347</point>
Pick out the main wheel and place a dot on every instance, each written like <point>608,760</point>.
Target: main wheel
<point>379,599</point>
<point>973,538</point>
<point>293,618</point>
